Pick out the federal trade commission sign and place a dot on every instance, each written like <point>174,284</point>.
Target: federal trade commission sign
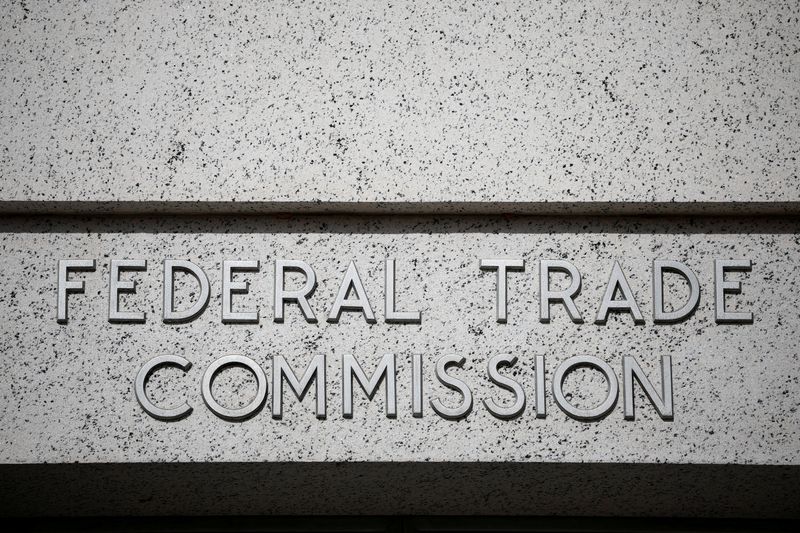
<point>294,283</point>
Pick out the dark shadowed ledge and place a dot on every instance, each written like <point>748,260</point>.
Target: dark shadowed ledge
<point>663,490</point>
<point>401,207</point>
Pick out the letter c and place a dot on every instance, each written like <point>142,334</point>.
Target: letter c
<point>171,414</point>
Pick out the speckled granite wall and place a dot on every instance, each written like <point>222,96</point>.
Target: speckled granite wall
<point>69,387</point>
<point>178,118</point>
<point>306,104</point>
<point>68,395</point>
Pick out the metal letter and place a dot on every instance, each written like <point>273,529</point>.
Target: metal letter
<point>721,266</point>
<point>281,370</point>
<point>386,367</point>
<point>390,313</point>
<point>177,317</point>
<point>230,287</point>
<point>173,413</point>
<point>566,296</point>
<point>66,286</point>
<point>462,410</point>
<point>342,303</point>
<point>502,266</point>
<point>515,409</point>
<point>242,413</point>
<point>628,302</point>
<point>595,413</point>
<point>662,403</point>
<point>659,315</point>
<point>416,385</point>
<point>116,286</point>
<point>300,296</point>
<point>541,406</point>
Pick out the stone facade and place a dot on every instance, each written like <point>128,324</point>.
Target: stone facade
<point>436,135</point>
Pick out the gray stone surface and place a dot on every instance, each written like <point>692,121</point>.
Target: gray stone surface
<point>210,109</point>
<point>67,389</point>
<point>516,106</point>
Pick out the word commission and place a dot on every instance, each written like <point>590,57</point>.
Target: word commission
<point>386,372</point>
<point>618,297</point>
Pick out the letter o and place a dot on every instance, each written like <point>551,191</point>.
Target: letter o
<point>174,413</point>
<point>242,413</point>
<point>594,413</point>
